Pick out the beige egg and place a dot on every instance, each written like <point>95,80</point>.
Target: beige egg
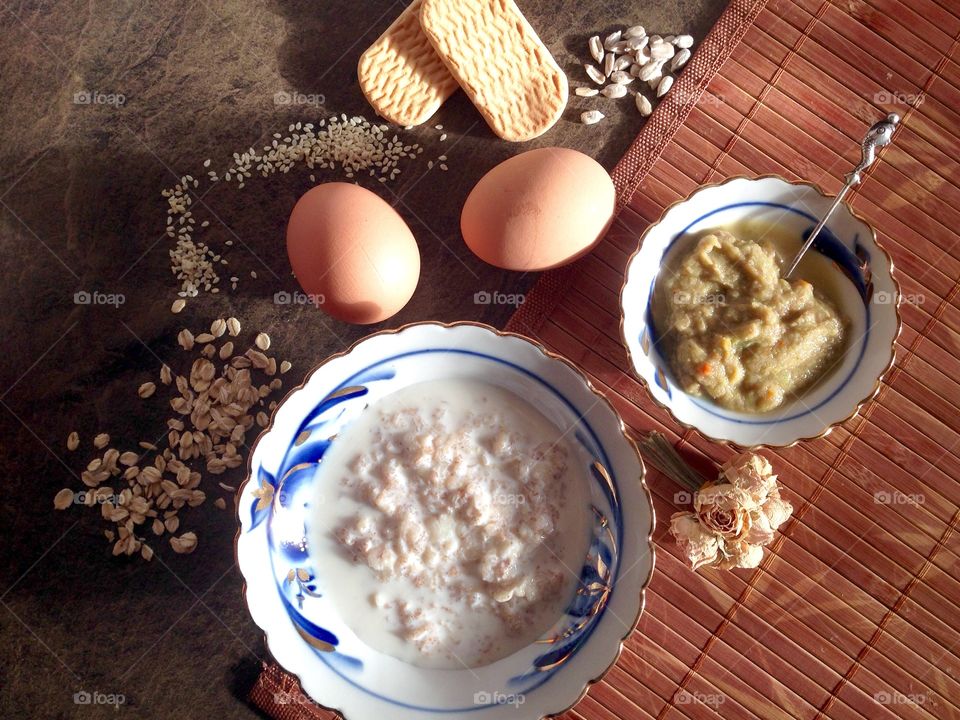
<point>538,210</point>
<point>352,254</point>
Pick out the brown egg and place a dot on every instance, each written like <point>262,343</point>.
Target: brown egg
<point>352,253</point>
<point>538,210</point>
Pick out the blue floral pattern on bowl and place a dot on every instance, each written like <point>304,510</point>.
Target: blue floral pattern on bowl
<point>285,581</point>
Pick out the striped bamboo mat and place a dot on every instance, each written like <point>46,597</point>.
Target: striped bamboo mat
<point>855,613</point>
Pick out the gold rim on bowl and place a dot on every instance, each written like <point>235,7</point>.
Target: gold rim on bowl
<point>501,333</point>
<point>800,183</point>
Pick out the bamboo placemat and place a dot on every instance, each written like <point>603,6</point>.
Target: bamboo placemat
<point>854,611</point>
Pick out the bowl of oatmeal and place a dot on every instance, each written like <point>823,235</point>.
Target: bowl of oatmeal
<point>445,520</point>
<point>731,347</point>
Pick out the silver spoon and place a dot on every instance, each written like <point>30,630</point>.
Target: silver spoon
<point>878,136</point>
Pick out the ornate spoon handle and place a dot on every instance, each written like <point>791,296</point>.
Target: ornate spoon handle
<point>877,136</point>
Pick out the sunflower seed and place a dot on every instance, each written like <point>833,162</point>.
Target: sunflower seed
<point>146,390</point>
<point>683,41</point>
<point>635,31</point>
<point>637,43</point>
<point>596,48</point>
<point>100,442</point>
<point>73,441</point>
<point>586,91</point>
<point>661,50</point>
<point>611,40</point>
<point>643,105</point>
<point>668,38</point>
<point>608,62</point>
<point>178,305</point>
<point>651,71</point>
<point>63,499</point>
<point>614,91</point>
<point>591,116</point>
<point>635,70</point>
<point>262,341</point>
<point>623,62</point>
<point>621,78</point>
<point>679,60</point>
<point>598,77</point>
<point>620,48</point>
<point>652,83</point>
<point>664,86</point>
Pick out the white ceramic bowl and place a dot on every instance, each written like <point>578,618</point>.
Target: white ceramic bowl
<point>285,580</point>
<point>869,300</point>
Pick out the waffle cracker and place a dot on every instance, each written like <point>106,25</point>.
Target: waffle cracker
<point>401,75</point>
<point>500,62</point>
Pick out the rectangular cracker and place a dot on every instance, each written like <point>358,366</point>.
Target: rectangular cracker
<point>500,62</point>
<point>401,75</point>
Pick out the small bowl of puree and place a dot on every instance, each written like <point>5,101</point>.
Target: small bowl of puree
<point>733,348</point>
<point>445,521</point>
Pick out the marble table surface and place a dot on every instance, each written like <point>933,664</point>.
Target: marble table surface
<point>104,105</point>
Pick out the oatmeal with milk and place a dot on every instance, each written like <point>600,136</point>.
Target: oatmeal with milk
<point>460,519</point>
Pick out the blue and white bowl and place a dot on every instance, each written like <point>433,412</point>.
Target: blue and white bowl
<point>870,300</point>
<point>286,582</point>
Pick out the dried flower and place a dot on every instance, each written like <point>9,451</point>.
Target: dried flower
<point>734,517</point>
<point>700,545</point>
<point>723,509</point>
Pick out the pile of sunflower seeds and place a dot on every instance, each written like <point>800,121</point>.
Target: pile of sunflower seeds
<point>628,55</point>
<point>351,145</point>
<point>215,403</point>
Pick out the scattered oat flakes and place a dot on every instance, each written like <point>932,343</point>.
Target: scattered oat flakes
<point>185,338</point>
<point>215,406</point>
<point>285,366</point>
<point>186,543</point>
<point>73,441</point>
<point>146,390</point>
<point>262,341</point>
<point>63,499</point>
<point>178,305</point>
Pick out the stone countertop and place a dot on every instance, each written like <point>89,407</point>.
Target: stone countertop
<point>106,104</point>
